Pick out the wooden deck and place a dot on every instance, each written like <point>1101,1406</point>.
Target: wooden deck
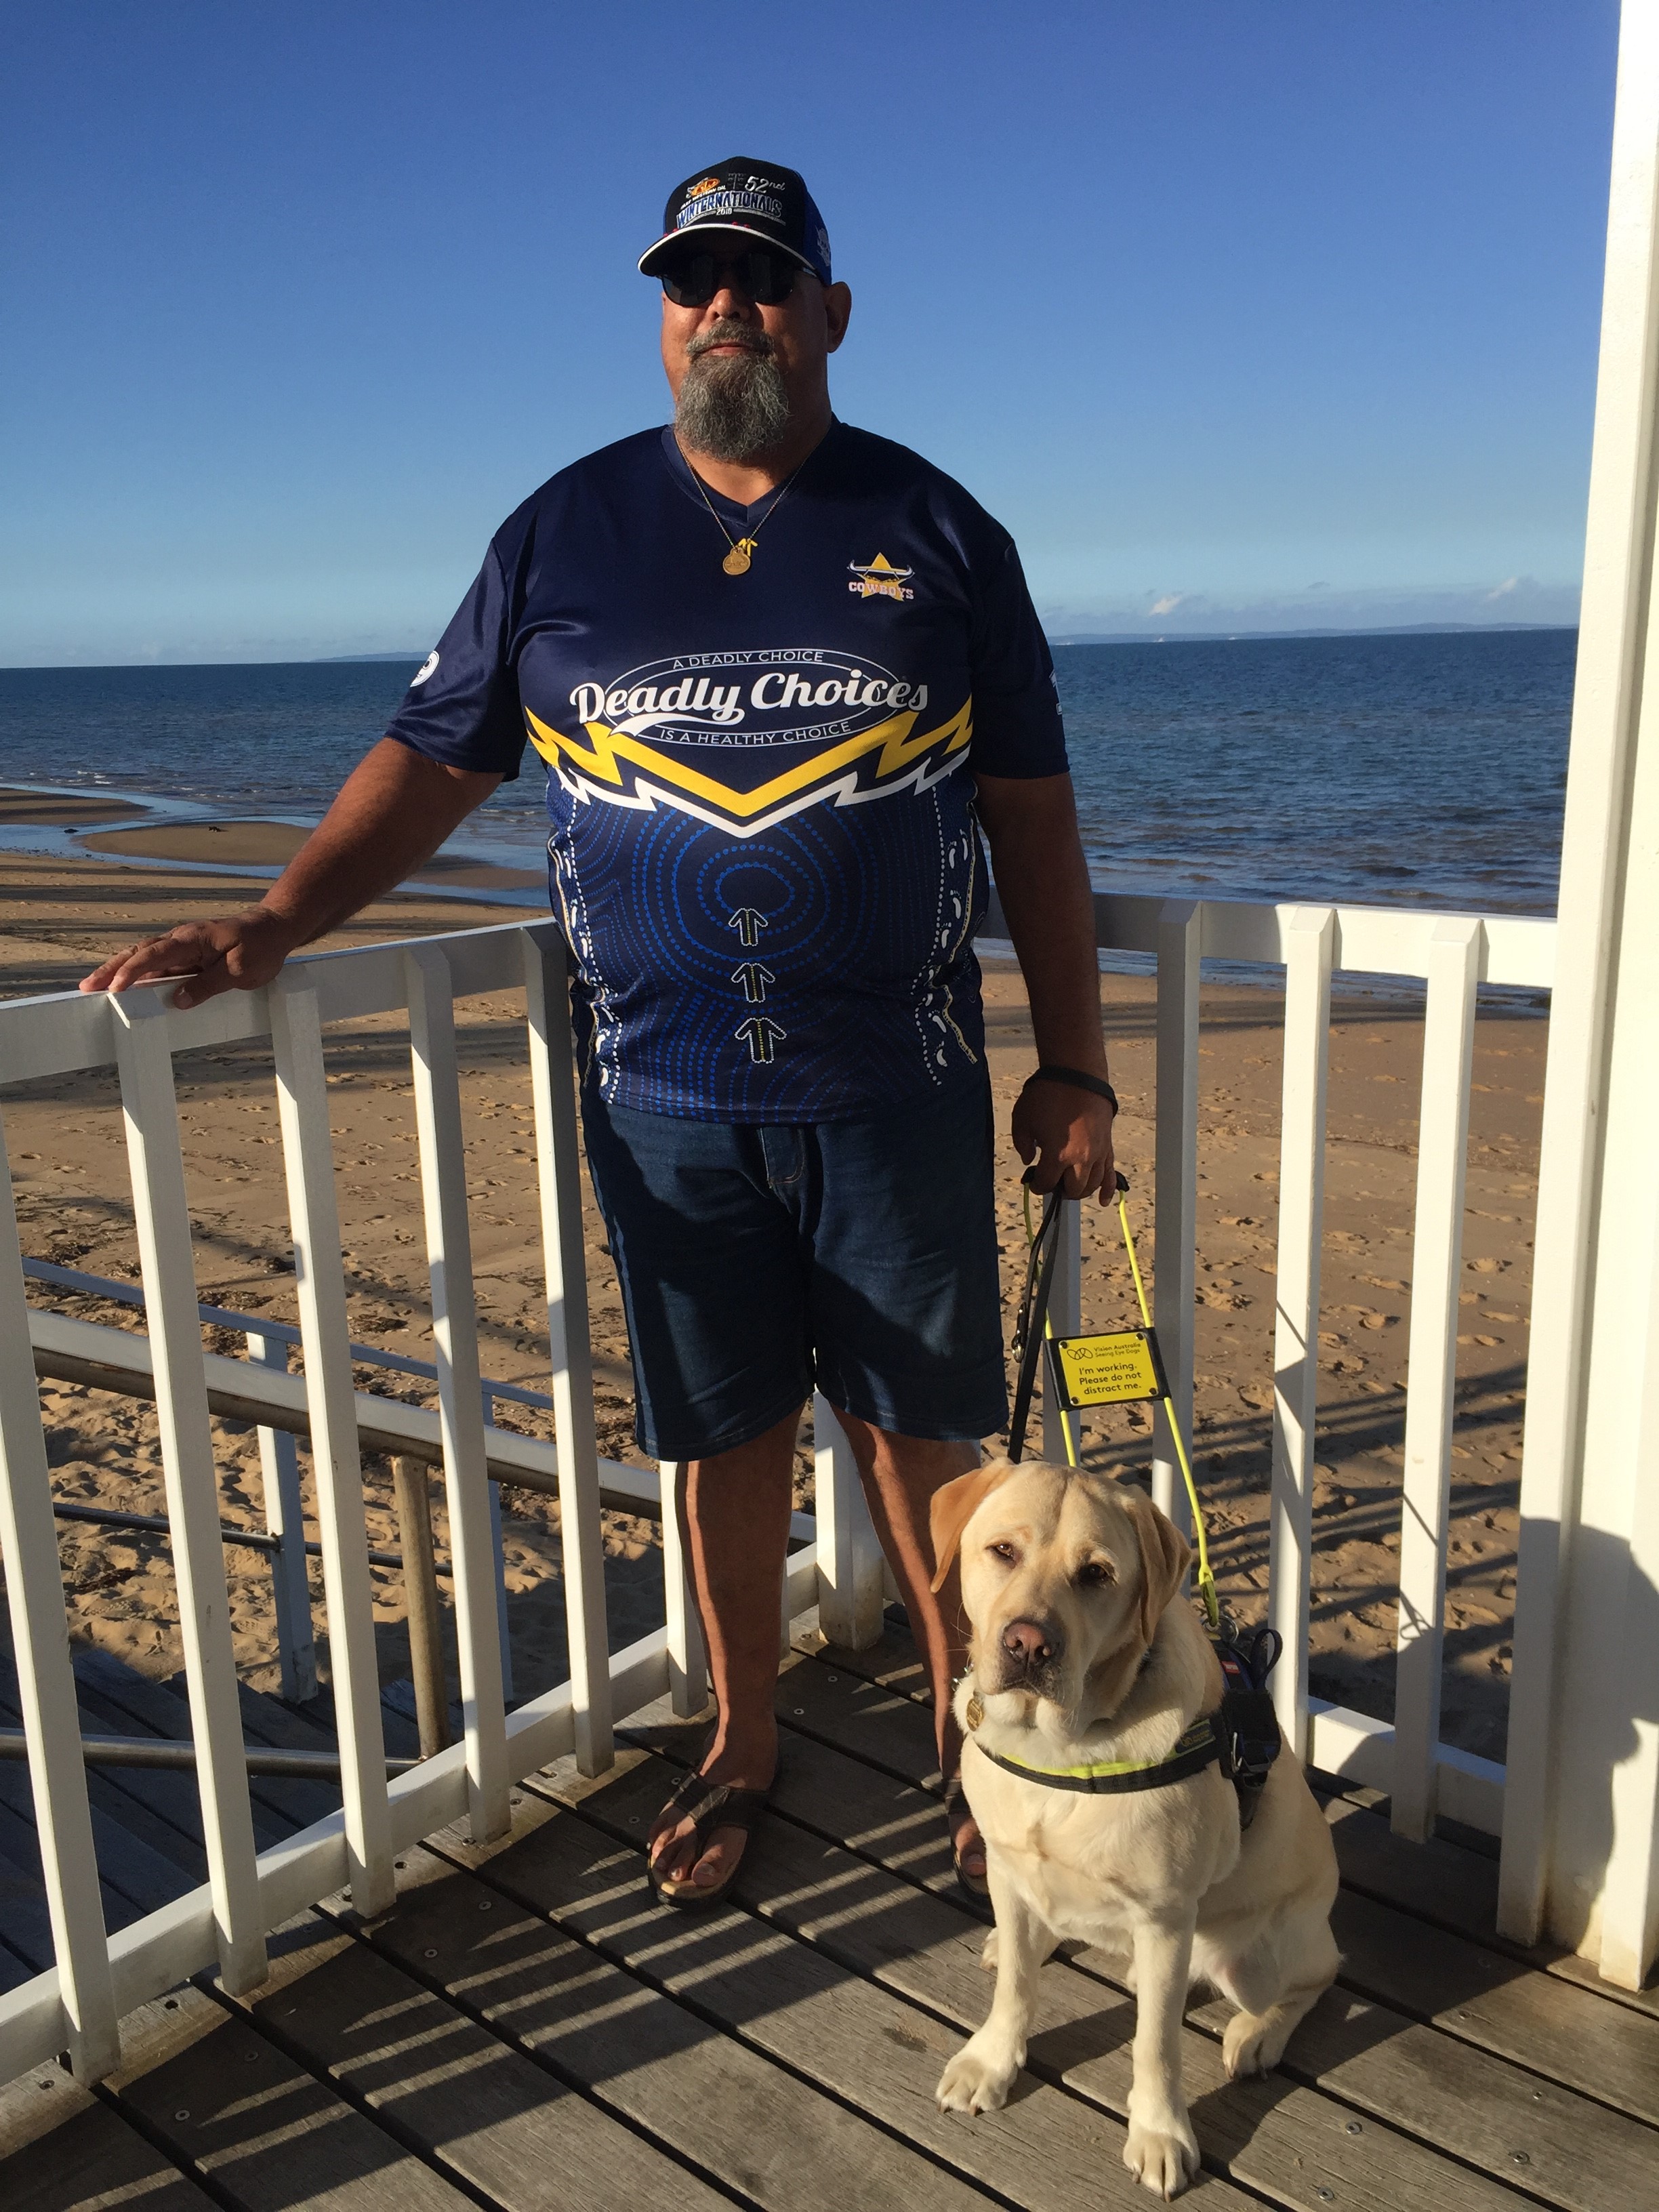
<point>527,2030</point>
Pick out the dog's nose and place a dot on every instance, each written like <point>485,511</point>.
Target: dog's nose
<point>1028,1643</point>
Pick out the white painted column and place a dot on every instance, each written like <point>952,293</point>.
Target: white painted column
<point>161,1218</point>
<point>558,1169</point>
<point>337,1464</point>
<point>45,1682</point>
<point>1442,1144</point>
<point>1582,1794</point>
<point>460,1414</point>
<point>1175,1287</point>
<point>1309,952</point>
<point>851,1597</point>
<point>290,1580</point>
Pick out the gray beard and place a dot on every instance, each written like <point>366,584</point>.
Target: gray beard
<point>733,408</point>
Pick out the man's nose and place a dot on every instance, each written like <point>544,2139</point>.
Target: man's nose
<point>733,305</point>
<point>1031,1642</point>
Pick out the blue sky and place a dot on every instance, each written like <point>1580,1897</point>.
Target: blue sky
<point>1240,316</point>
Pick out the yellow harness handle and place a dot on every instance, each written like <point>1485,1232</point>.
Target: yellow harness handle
<point>1207,1589</point>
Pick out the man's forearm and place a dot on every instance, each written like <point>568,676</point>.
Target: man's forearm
<point>1043,884</point>
<point>391,813</point>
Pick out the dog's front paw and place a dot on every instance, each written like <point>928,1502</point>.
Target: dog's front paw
<point>1253,2042</point>
<point>978,2079</point>
<point>1163,2158</point>
<point>987,1952</point>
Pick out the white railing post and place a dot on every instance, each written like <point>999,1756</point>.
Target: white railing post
<point>498,1554</point>
<point>161,1218</point>
<point>558,1167</point>
<point>1309,952</point>
<point>296,1037</point>
<point>1065,1313</point>
<point>45,1682</point>
<point>460,1412</point>
<point>1175,1289</point>
<point>851,1595</point>
<point>290,1582</point>
<point>688,1660</point>
<point>1581,1829</point>
<point>1443,1143</point>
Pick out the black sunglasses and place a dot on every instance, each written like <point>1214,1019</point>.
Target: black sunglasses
<point>765,276</point>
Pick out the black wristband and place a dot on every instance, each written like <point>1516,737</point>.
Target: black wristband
<point>1078,1081</point>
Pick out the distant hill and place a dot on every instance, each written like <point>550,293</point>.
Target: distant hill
<point>334,659</point>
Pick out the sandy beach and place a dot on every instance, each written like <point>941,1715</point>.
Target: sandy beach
<point>58,917</point>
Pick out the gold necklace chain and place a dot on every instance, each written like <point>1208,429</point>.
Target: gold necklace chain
<point>742,548</point>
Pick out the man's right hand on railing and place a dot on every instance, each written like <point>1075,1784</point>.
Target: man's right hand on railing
<point>237,953</point>
<point>393,812</point>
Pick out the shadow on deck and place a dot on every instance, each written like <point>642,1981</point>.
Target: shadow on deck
<point>526,2030</point>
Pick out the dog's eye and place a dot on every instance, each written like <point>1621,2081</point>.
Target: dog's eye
<point>1004,1551</point>
<point>1094,1573</point>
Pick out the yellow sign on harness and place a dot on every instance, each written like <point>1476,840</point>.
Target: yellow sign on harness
<point>1119,1368</point>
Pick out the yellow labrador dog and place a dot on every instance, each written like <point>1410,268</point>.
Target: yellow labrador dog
<point>1078,1659</point>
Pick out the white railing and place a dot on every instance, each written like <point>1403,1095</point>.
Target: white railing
<point>98,1976</point>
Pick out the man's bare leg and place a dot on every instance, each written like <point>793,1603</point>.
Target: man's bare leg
<point>734,1522</point>
<point>901,1475</point>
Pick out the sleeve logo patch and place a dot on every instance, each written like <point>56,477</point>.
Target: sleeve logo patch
<point>425,668</point>
<point>880,580</point>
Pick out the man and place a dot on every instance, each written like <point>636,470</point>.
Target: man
<point>782,674</point>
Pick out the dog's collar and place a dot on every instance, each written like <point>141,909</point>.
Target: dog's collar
<point>1199,1747</point>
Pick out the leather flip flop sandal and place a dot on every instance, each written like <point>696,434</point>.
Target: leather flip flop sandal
<point>955,1804</point>
<point>708,1805</point>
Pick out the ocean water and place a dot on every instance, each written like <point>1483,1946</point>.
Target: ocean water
<point>1427,769</point>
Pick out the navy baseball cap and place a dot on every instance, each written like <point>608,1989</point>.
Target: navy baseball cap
<point>748,199</point>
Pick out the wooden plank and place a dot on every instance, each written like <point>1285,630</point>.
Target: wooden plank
<point>64,2150</point>
<point>1467,1992</point>
<point>169,1819</point>
<point>265,2135</point>
<point>1478,2107</point>
<point>863,2041</point>
<point>1437,1276</point>
<point>506,2127</point>
<point>159,1711</point>
<point>1608,2051</point>
<point>1284,2141</point>
<point>25,1914</point>
<point>134,1878</point>
<point>1452,1888</point>
<point>692,2083</point>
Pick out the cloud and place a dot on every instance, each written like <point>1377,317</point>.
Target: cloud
<point>1168,603</point>
<point>1509,584</point>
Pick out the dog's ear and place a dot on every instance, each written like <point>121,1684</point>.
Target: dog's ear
<point>1164,1553</point>
<point>954,1507</point>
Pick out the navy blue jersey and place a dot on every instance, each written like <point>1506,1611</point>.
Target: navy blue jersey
<point>763,846</point>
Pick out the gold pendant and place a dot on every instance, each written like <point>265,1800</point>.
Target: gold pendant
<point>737,560</point>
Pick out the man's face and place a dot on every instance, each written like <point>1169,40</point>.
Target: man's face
<point>763,367</point>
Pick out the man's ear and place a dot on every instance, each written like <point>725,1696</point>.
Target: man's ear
<point>954,1507</point>
<point>1164,1553</point>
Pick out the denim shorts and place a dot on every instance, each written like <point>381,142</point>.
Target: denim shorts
<point>757,1262</point>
